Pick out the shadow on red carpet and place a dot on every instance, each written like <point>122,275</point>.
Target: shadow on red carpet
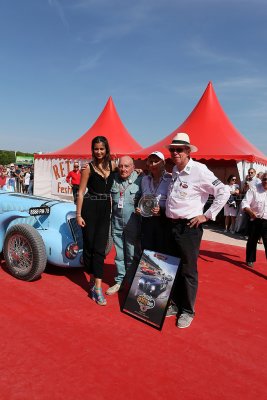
<point>56,343</point>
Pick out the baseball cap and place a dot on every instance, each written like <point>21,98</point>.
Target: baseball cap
<point>158,154</point>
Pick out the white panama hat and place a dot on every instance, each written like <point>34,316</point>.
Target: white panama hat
<point>182,139</point>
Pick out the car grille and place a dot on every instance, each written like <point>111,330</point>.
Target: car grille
<point>77,232</point>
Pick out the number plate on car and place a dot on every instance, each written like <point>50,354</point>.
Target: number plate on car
<point>39,211</point>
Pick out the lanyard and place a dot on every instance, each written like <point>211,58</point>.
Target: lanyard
<point>153,190</point>
<point>122,189</point>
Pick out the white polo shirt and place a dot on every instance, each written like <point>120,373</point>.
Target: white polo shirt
<point>190,189</point>
<point>256,199</point>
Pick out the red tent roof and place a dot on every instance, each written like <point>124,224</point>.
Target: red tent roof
<point>212,132</point>
<point>109,125</point>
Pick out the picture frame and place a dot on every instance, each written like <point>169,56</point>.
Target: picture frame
<point>151,288</point>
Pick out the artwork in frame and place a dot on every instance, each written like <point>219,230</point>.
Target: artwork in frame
<point>151,288</point>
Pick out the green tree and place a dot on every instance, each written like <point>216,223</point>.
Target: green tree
<point>7,157</point>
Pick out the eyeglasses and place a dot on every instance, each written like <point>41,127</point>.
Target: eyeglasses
<point>76,166</point>
<point>251,172</point>
<point>233,179</point>
<point>177,149</point>
<point>264,180</point>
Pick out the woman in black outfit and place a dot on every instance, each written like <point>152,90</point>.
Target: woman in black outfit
<point>93,211</point>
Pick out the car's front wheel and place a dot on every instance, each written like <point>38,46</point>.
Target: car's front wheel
<point>24,252</point>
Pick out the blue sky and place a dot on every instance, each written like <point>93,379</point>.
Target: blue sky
<point>60,60</point>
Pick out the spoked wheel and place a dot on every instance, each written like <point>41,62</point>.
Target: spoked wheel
<point>24,252</point>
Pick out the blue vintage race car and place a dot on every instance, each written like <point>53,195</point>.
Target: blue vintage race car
<point>35,231</point>
<point>154,285</point>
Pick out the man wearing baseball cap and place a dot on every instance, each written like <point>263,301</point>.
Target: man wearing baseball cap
<point>155,184</point>
<point>192,183</point>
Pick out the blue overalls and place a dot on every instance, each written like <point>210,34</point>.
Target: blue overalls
<point>125,224</point>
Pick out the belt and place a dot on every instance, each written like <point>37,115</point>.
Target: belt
<point>179,220</point>
<point>97,196</point>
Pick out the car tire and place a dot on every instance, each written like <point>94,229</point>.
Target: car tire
<point>24,252</point>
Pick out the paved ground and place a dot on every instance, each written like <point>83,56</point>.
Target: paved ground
<point>215,233</point>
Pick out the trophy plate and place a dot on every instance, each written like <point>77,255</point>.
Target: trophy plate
<point>146,203</point>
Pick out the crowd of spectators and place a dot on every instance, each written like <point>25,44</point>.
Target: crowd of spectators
<point>15,178</point>
<point>236,219</point>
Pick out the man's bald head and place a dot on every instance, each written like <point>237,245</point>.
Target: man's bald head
<point>126,166</point>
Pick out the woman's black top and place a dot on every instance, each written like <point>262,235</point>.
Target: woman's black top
<point>97,184</point>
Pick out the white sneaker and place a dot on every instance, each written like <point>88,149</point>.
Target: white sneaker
<point>113,289</point>
<point>184,320</point>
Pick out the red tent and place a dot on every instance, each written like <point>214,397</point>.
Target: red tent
<point>109,125</point>
<point>212,132</point>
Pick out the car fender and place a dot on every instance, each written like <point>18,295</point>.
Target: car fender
<point>5,220</point>
<point>55,245</point>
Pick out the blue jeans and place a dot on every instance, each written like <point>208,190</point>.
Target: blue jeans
<point>128,252</point>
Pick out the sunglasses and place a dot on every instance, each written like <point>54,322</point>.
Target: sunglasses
<point>177,149</point>
<point>233,179</point>
<point>251,172</point>
<point>264,180</point>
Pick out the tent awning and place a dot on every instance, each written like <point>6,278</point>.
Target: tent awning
<point>212,132</point>
<point>109,125</point>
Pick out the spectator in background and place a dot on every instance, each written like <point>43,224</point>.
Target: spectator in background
<point>18,181</point>
<point>3,179</point>
<point>30,188</point>
<point>250,181</point>
<point>230,208</point>
<point>26,180</point>
<point>12,176</point>
<point>259,176</point>
<point>74,179</point>
<point>21,180</point>
<point>255,205</point>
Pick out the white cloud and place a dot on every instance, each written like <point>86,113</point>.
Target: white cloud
<point>243,83</point>
<point>60,11</point>
<point>124,17</point>
<point>89,62</point>
<point>200,50</point>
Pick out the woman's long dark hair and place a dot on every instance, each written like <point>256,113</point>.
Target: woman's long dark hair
<point>104,140</point>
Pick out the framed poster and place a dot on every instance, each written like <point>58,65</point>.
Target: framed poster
<point>151,288</point>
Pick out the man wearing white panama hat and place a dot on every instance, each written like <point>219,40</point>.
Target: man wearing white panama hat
<point>192,183</point>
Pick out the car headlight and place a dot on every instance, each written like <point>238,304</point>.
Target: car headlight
<point>72,250</point>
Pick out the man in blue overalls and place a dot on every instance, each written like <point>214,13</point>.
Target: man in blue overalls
<point>125,223</point>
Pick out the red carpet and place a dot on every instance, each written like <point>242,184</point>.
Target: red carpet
<point>57,344</point>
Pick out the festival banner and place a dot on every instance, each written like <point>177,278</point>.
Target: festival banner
<point>24,160</point>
